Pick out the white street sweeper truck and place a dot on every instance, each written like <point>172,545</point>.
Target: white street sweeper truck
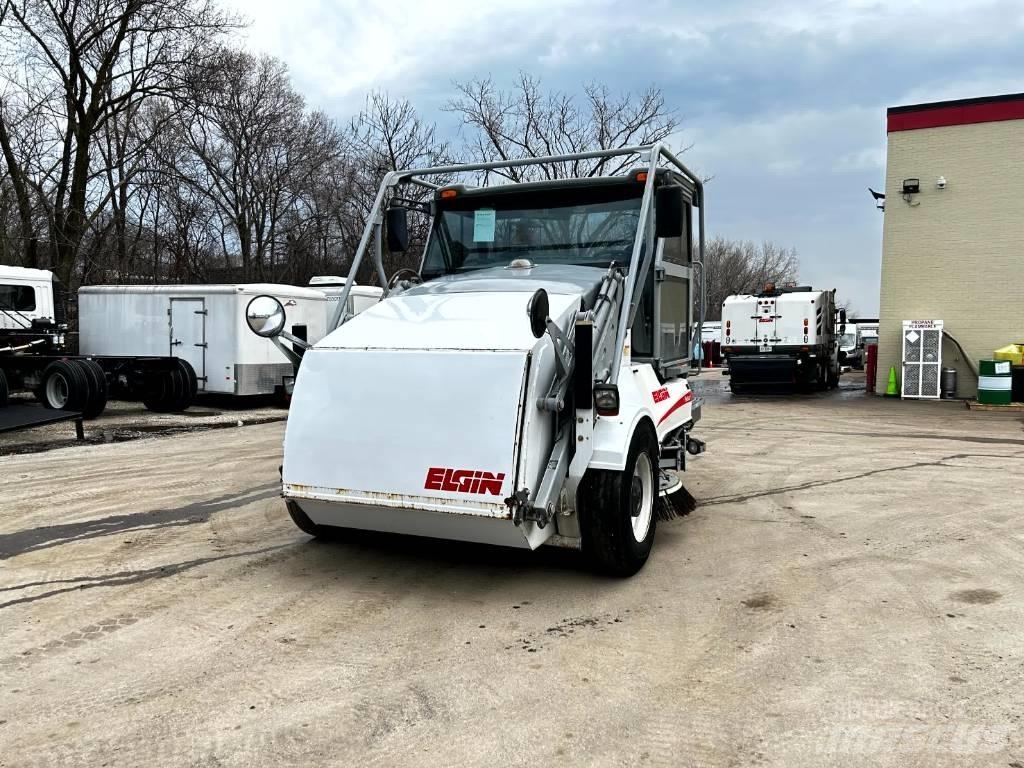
<point>783,336</point>
<point>527,384</point>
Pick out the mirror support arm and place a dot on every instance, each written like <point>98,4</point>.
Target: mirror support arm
<point>287,351</point>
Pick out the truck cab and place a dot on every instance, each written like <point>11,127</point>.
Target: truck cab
<point>28,305</point>
<point>526,384</point>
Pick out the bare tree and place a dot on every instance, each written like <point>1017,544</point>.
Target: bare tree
<point>387,135</point>
<point>526,121</point>
<point>251,147</point>
<point>74,66</point>
<point>733,267</point>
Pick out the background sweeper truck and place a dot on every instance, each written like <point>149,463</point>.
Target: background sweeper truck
<point>782,336</point>
<point>526,385</point>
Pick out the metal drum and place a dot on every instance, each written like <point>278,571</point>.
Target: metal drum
<point>994,382</point>
<point>948,383</point>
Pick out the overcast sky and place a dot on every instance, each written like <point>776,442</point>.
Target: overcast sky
<point>783,101</point>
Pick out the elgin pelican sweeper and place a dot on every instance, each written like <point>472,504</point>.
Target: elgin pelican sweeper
<point>527,384</point>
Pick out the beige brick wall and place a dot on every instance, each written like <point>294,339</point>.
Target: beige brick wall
<point>958,254</point>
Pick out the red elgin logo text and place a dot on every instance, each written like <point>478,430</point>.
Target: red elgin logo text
<point>464,481</point>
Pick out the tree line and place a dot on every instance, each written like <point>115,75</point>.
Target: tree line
<point>139,144</point>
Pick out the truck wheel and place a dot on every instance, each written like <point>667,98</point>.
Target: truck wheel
<point>302,521</point>
<point>166,392</point>
<point>97,379</point>
<point>617,519</point>
<point>4,389</point>
<point>191,383</point>
<point>64,386</point>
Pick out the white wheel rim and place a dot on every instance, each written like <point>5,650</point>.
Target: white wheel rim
<point>641,508</point>
<point>57,390</point>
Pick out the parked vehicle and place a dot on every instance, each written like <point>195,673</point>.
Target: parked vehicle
<point>203,325</point>
<point>360,297</point>
<point>851,352</point>
<point>786,336</point>
<point>34,355</point>
<point>527,384</point>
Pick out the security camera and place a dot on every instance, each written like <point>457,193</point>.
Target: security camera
<point>940,183</point>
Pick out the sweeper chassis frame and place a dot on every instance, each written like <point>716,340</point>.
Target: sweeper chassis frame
<point>583,360</point>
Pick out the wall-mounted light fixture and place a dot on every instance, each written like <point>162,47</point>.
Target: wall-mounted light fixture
<point>940,183</point>
<point>910,188</point>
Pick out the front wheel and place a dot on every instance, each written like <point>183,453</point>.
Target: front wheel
<point>617,517</point>
<point>301,519</point>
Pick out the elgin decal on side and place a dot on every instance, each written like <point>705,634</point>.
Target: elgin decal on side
<point>464,481</point>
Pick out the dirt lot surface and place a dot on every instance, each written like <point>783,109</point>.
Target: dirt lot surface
<point>848,593</point>
<point>122,421</point>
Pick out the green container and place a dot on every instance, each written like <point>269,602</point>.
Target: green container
<point>995,382</point>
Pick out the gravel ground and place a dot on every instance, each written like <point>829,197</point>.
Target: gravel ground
<point>848,593</point>
<point>123,421</point>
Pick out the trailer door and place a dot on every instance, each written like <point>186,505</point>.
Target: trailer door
<point>765,319</point>
<point>188,334</point>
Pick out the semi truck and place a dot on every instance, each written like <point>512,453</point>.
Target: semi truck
<point>35,355</point>
<point>526,385</point>
<point>782,336</point>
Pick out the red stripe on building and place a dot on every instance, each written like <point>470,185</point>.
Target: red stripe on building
<point>930,116</point>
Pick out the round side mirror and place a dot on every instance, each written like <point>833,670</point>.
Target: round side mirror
<point>538,310</point>
<point>265,316</point>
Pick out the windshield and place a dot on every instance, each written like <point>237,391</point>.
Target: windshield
<point>848,340</point>
<point>549,230</point>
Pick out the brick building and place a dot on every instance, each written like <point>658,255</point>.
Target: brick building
<point>954,249</point>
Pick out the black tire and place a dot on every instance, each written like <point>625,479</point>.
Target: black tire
<point>833,379</point>
<point>191,384</point>
<point>606,503</point>
<point>64,386</point>
<point>736,389</point>
<point>302,521</point>
<point>821,384</point>
<point>166,392</point>
<point>97,379</point>
<point>4,389</point>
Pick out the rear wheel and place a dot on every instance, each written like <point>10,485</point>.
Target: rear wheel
<point>167,392</point>
<point>191,383</point>
<point>97,379</point>
<point>833,378</point>
<point>64,386</point>
<point>617,509</point>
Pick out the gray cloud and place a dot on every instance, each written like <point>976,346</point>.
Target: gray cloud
<point>784,101</point>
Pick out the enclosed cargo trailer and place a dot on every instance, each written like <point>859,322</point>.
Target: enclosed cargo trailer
<point>201,324</point>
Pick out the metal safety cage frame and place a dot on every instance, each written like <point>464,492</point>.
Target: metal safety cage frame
<point>645,245</point>
<point>921,360</point>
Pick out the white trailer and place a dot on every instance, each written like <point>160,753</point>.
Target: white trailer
<point>360,297</point>
<point>782,336</point>
<point>527,384</point>
<point>201,324</point>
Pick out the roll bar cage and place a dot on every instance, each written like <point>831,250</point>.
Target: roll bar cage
<point>651,154</point>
